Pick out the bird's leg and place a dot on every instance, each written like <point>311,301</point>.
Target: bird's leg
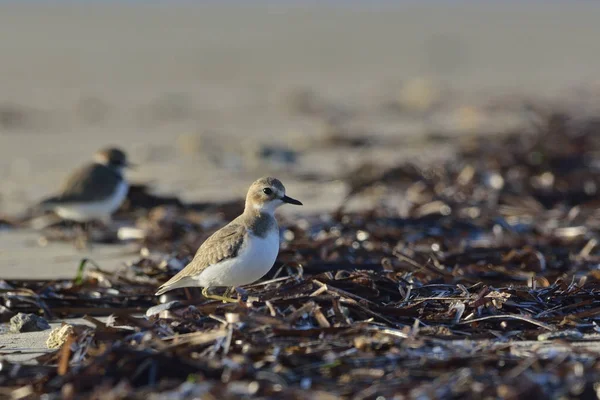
<point>87,228</point>
<point>82,238</point>
<point>224,299</point>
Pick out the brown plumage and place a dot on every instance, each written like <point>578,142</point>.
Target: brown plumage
<point>93,182</point>
<point>92,192</point>
<point>220,246</point>
<point>90,183</point>
<point>257,221</point>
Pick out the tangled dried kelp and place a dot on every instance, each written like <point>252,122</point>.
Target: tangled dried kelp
<point>481,281</point>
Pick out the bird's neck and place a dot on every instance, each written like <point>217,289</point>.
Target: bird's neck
<point>254,208</point>
<point>259,222</point>
<point>251,211</point>
<point>117,169</point>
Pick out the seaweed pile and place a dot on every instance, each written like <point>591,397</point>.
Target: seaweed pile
<point>483,281</point>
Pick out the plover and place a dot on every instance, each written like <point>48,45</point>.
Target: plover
<point>94,191</point>
<point>241,252</point>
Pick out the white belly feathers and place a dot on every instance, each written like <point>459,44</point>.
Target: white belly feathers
<point>254,259</point>
<point>94,210</point>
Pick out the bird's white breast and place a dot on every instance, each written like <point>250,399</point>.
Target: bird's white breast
<point>95,209</point>
<point>254,259</point>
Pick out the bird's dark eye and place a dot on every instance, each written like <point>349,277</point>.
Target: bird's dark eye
<point>267,191</point>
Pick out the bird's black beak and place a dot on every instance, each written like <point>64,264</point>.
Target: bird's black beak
<point>289,200</point>
<point>130,165</point>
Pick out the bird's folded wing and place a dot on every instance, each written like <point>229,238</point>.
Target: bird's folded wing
<point>89,183</point>
<point>222,245</point>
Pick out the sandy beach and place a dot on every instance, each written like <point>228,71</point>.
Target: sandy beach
<point>169,82</point>
<point>194,92</point>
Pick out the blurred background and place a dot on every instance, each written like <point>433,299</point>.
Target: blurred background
<point>206,96</point>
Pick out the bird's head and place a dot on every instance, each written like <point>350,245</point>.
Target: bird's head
<point>112,157</point>
<point>267,194</point>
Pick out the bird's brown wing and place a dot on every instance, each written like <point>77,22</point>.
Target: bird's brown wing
<point>89,183</point>
<point>221,245</point>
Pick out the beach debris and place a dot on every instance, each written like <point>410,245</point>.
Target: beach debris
<point>28,323</point>
<point>5,313</point>
<point>152,311</point>
<point>484,279</point>
<point>58,336</point>
<point>140,197</point>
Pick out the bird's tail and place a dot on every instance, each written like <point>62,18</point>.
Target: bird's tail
<point>179,283</point>
<point>162,289</point>
<point>47,204</point>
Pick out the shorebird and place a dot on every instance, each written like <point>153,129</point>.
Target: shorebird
<point>94,191</point>
<point>241,252</point>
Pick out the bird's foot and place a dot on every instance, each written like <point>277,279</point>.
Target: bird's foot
<point>224,299</point>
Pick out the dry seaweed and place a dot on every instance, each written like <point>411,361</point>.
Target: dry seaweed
<point>484,282</point>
